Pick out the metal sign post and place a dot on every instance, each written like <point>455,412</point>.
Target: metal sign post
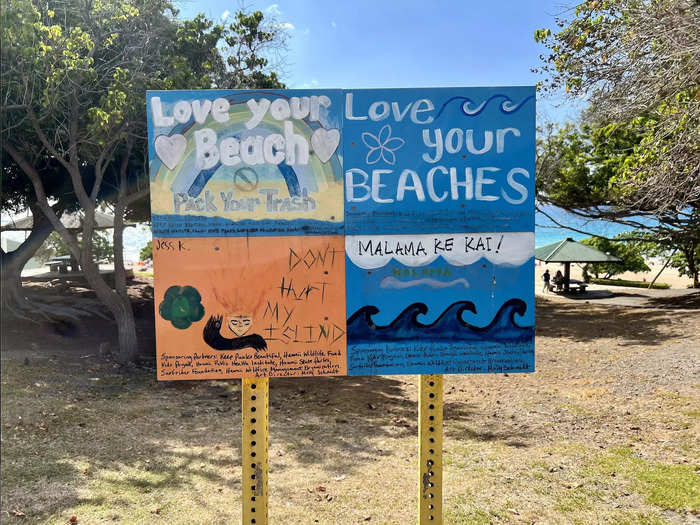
<point>430,449</point>
<point>255,393</point>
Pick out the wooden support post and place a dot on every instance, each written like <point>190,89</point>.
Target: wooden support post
<point>430,449</point>
<point>255,395</point>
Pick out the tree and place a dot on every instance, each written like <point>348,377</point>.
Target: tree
<point>637,62</point>
<point>687,262</point>
<point>74,76</point>
<point>684,256</point>
<point>146,252</point>
<point>630,253</point>
<point>54,245</point>
<point>634,158</point>
<point>16,195</point>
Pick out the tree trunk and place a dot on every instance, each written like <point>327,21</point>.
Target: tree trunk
<point>126,324</point>
<point>126,329</point>
<point>693,271</point>
<point>13,297</point>
<point>651,284</point>
<point>119,307</point>
<point>118,248</point>
<point>12,263</point>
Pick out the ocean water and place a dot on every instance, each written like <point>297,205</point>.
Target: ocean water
<point>546,232</point>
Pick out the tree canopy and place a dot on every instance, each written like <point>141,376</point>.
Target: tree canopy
<point>634,158</point>
<point>74,80</point>
<point>637,62</point>
<point>630,253</point>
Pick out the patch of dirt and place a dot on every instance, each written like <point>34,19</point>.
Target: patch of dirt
<point>89,339</point>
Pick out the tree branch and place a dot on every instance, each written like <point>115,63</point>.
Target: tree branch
<point>42,200</point>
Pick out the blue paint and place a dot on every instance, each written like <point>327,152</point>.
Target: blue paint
<point>317,179</point>
<point>440,317</point>
<point>507,107</point>
<point>381,208</point>
<point>290,177</point>
<point>449,326</point>
<point>364,287</point>
<point>201,180</point>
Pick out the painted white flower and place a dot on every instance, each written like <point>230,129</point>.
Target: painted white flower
<point>382,146</point>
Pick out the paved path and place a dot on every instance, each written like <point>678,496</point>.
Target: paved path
<point>624,296</point>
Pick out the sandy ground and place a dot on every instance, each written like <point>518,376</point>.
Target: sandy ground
<point>669,275</point>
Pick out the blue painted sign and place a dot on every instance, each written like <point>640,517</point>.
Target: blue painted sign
<point>431,192</point>
<point>439,222</point>
<point>427,160</point>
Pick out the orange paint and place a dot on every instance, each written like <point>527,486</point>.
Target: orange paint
<point>282,298</point>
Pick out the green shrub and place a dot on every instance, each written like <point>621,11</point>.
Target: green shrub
<point>631,284</point>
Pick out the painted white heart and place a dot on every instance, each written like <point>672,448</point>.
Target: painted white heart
<point>170,149</point>
<point>325,142</point>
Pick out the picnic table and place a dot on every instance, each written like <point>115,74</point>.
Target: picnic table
<point>575,286</point>
<point>60,264</point>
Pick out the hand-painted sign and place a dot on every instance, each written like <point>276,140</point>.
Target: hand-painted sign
<point>343,231</point>
<point>240,163</point>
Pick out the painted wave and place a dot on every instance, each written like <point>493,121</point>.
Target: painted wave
<point>448,327</point>
<point>507,106</point>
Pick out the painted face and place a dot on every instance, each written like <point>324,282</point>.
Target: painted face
<point>239,322</point>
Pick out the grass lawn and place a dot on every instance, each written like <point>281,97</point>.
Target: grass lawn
<point>631,284</point>
<point>606,431</point>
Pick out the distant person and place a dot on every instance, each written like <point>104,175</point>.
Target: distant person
<point>546,277</point>
<point>559,280</point>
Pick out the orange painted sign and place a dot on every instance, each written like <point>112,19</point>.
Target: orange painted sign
<point>250,307</point>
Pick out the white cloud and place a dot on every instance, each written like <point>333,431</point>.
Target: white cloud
<point>374,251</point>
<point>273,10</point>
<point>285,25</point>
<point>225,15</point>
<point>306,31</point>
<point>333,25</point>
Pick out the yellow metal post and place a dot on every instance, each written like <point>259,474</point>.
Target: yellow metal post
<point>255,395</point>
<point>430,449</point>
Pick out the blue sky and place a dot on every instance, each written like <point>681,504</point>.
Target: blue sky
<point>407,43</point>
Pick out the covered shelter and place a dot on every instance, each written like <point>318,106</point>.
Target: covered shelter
<point>72,222</point>
<point>569,251</point>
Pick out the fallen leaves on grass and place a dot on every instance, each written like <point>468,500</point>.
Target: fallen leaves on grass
<point>18,513</point>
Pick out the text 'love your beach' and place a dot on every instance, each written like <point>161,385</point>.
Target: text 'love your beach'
<point>254,150</point>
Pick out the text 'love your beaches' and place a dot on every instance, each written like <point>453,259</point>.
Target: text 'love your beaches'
<point>434,146</point>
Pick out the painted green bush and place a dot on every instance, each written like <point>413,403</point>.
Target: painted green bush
<point>182,306</point>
